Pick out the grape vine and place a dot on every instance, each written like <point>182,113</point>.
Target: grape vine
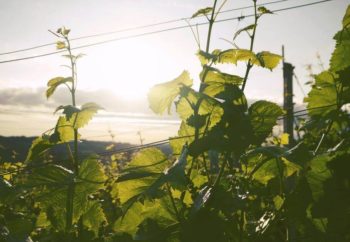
<point>228,179</point>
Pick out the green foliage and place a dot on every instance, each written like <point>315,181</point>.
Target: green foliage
<point>161,96</point>
<point>55,82</point>
<point>203,11</point>
<point>263,116</point>
<point>142,176</point>
<point>323,94</point>
<point>245,29</point>
<point>228,179</point>
<point>52,184</point>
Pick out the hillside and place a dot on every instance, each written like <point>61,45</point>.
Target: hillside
<point>16,148</point>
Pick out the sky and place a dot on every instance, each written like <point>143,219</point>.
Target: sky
<point>117,75</point>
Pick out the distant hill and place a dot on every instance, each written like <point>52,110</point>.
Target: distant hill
<point>16,148</point>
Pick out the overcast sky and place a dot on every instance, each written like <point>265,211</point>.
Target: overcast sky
<point>118,75</point>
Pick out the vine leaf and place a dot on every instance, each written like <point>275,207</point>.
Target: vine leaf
<point>64,131</point>
<point>54,83</point>
<point>215,75</point>
<point>209,106</point>
<point>205,57</point>
<point>63,30</point>
<point>142,171</point>
<point>271,169</point>
<point>339,60</point>
<point>245,29</point>
<point>60,45</point>
<point>322,94</point>
<point>346,19</point>
<point>144,180</point>
<point>263,59</point>
<point>79,117</point>
<point>74,118</point>
<point>53,182</point>
<point>187,132</point>
<point>94,216</point>
<point>68,110</point>
<point>267,60</point>
<point>264,10</point>
<point>39,146</point>
<point>156,209</point>
<point>162,95</point>
<point>82,118</point>
<point>202,12</point>
<point>263,116</point>
<point>233,56</point>
<point>317,174</point>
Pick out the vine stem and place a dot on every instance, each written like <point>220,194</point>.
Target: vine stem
<point>211,23</point>
<point>71,187</point>
<point>323,136</point>
<point>173,202</point>
<point>252,38</point>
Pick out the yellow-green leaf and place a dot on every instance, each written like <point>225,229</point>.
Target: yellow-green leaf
<point>143,170</point>
<point>87,111</point>
<point>54,83</point>
<point>284,139</point>
<point>233,56</point>
<point>213,75</point>
<point>264,10</point>
<point>60,45</point>
<point>245,29</point>
<point>161,96</point>
<point>267,60</point>
<point>203,11</point>
<point>346,19</point>
<point>208,106</point>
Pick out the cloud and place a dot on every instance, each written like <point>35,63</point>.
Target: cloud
<point>21,97</point>
<point>31,98</point>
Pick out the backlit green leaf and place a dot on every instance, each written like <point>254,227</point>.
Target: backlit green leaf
<point>317,174</point>
<point>157,210</point>
<point>271,169</point>
<point>208,106</point>
<point>60,45</point>
<point>267,60</point>
<point>87,111</point>
<point>64,131</point>
<point>263,116</point>
<point>213,75</point>
<point>346,19</point>
<point>264,10</point>
<point>233,56</point>
<point>245,29</point>
<point>339,60</point>
<point>53,183</point>
<point>152,163</point>
<point>323,94</point>
<point>39,146</point>
<point>162,95</point>
<point>93,217</point>
<point>205,57</point>
<point>54,83</point>
<point>203,11</point>
<point>185,131</point>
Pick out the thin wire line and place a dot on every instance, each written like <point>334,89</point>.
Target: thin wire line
<point>137,27</point>
<point>299,84</point>
<point>156,32</point>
